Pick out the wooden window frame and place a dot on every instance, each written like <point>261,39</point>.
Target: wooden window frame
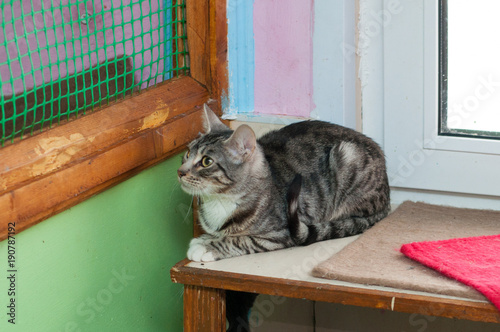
<point>52,171</point>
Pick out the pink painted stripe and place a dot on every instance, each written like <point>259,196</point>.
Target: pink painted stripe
<point>283,56</point>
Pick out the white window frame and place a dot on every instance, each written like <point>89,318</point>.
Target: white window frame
<point>403,117</point>
<point>485,86</point>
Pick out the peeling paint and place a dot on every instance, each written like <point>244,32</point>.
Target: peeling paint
<point>158,117</point>
<point>3,183</point>
<point>50,144</point>
<point>56,151</point>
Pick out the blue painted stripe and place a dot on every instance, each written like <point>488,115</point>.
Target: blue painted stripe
<point>241,57</point>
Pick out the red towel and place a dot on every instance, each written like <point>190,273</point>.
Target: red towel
<point>474,261</point>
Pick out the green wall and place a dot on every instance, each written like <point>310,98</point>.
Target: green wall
<point>104,264</point>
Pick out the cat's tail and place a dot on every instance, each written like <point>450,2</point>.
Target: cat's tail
<point>334,229</point>
<point>292,197</point>
<point>303,234</point>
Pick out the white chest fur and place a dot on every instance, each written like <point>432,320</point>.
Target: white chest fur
<point>215,211</point>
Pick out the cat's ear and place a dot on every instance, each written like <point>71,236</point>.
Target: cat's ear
<point>211,122</point>
<point>242,143</point>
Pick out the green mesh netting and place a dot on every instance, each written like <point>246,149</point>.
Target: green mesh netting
<point>60,59</point>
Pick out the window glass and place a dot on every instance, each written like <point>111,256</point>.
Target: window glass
<point>470,68</point>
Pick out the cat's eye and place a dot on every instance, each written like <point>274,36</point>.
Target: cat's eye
<point>206,161</point>
<point>187,154</point>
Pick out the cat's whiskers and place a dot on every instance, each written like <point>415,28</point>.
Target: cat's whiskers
<point>188,213</point>
<point>174,189</point>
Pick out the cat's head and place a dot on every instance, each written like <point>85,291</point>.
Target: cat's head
<point>219,160</point>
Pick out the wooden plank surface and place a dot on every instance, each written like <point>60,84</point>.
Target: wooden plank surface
<point>44,153</point>
<point>198,39</point>
<point>397,300</point>
<point>207,38</point>
<point>204,309</point>
<point>219,83</point>
<point>45,174</point>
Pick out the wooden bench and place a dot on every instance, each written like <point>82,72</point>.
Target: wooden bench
<point>287,273</point>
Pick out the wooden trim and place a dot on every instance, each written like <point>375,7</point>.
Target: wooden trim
<point>45,174</point>
<point>198,40</point>
<point>207,38</point>
<point>179,44</point>
<point>403,302</point>
<point>218,54</point>
<point>204,309</point>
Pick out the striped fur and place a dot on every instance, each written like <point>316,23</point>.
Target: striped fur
<point>307,182</point>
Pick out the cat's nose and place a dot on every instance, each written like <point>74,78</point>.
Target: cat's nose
<point>181,173</point>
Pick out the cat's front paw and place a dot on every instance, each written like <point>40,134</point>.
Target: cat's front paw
<point>199,252</point>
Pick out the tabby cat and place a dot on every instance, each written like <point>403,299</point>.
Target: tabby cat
<point>307,182</point>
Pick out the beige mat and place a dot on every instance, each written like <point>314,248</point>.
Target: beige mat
<point>374,258</point>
